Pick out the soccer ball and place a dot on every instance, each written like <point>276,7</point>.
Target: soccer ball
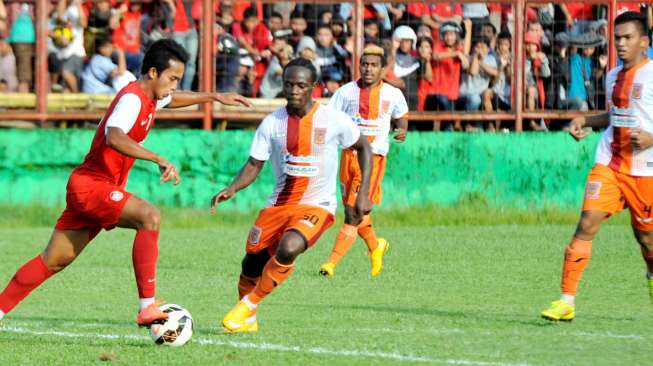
<point>177,330</point>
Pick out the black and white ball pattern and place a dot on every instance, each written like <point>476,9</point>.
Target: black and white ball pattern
<point>177,330</point>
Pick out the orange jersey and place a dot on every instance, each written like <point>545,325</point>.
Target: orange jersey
<point>304,154</point>
<point>630,94</point>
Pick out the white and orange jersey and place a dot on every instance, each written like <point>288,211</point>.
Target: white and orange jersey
<point>372,109</point>
<point>630,97</point>
<point>304,154</point>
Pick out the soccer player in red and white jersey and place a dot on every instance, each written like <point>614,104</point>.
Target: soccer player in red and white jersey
<point>623,172</point>
<point>375,106</point>
<point>96,198</point>
<point>301,140</point>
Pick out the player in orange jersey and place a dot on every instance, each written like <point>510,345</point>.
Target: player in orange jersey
<point>301,140</point>
<point>96,198</point>
<point>623,172</point>
<point>374,106</point>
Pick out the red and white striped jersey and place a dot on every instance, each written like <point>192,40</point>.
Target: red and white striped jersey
<point>304,154</point>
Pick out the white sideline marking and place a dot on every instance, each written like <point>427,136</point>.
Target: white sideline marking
<point>605,335</point>
<point>272,347</point>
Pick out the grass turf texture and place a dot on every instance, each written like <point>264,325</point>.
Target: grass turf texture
<point>448,295</point>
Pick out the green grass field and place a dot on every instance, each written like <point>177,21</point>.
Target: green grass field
<point>456,294</point>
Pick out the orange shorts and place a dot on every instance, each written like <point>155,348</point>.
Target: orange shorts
<point>273,222</point>
<point>350,177</point>
<point>610,191</point>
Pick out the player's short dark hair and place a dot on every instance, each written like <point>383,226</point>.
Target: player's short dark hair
<point>159,54</point>
<point>302,62</point>
<point>636,17</point>
<point>383,58</point>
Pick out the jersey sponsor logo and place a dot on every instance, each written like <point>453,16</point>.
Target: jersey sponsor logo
<point>624,117</point>
<point>301,170</point>
<point>593,190</point>
<point>637,91</point>
<point>254,235</point>
<point>320,136</point>
<point>116,196</point>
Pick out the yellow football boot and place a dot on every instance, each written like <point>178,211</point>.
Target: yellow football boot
<point>328,269</point>
<point>376,257</point>
<point>559,310</point>
<point>240,319</point>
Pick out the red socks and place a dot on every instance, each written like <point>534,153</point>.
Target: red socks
<point>26,279</point>
<point>144,256</point>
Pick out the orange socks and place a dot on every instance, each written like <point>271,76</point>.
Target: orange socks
<point>246,285</point>
<point>344,240</point>
<point>274,273</point>
<point>577,256</point>
<point>366,232</point>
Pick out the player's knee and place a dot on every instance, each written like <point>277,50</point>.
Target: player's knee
<point>150,218</point>
<point>60,262</point>
<point>588,226</point>
<point>290,247</point>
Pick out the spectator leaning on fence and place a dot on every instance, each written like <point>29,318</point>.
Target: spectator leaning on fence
<point>583,70</point>
<point>476,79</point>
<point>406,65</point>
<point>536,69</point>
<point>558,83</point>
<point>498,96</point>
<point>102,75</point>
<point>22,37</point>
<point>127,35</point>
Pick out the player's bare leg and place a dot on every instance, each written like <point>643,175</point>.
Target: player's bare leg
<point>645,240</point>
<point>577,257</point>
<point>242,318</point>
<point>142,216</point>
<point>62,249</point>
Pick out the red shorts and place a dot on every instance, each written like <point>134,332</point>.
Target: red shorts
<point>610,191</point>
<point>351,177</point>
<point>273,222</point>
<point>92,204</point>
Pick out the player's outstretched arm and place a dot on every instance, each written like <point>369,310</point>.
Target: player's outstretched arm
<point>364,153</point>
<point>579,126</point>
<point>186,98</point>
<point>119,141</point>
<point>245,177</point>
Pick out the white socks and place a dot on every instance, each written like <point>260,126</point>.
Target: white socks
<point>249,303</point>
<point>145,302</point>
<point>569,299</point>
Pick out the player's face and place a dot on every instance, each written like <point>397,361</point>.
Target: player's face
<point>371,69</point>
<point>629,42</point>
<point>298,86</point>
<point>166,82</point>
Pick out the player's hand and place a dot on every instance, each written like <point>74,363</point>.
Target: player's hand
<point>233,99</point>
<point>168,172</point>
<point>640,139</point>
<point>576,128</point>
<point>363,204</point>
<point>222,196</point>
<point>400,134</point>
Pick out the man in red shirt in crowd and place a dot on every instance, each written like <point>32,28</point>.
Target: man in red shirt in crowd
<point>254,36</point>
<point>127,36</point>
<point>96,198</point>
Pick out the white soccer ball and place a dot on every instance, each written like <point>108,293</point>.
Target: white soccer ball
<point>177,330</point>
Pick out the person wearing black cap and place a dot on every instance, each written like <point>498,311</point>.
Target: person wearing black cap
<point>584,70</point>
<point>558,83</point>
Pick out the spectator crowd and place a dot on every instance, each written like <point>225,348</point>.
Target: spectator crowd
<point>443,56</point>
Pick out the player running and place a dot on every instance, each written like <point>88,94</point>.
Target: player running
<point>302,141</point>
<point>374,106</point>
<point>96,198</point>
<point>623,173</point>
